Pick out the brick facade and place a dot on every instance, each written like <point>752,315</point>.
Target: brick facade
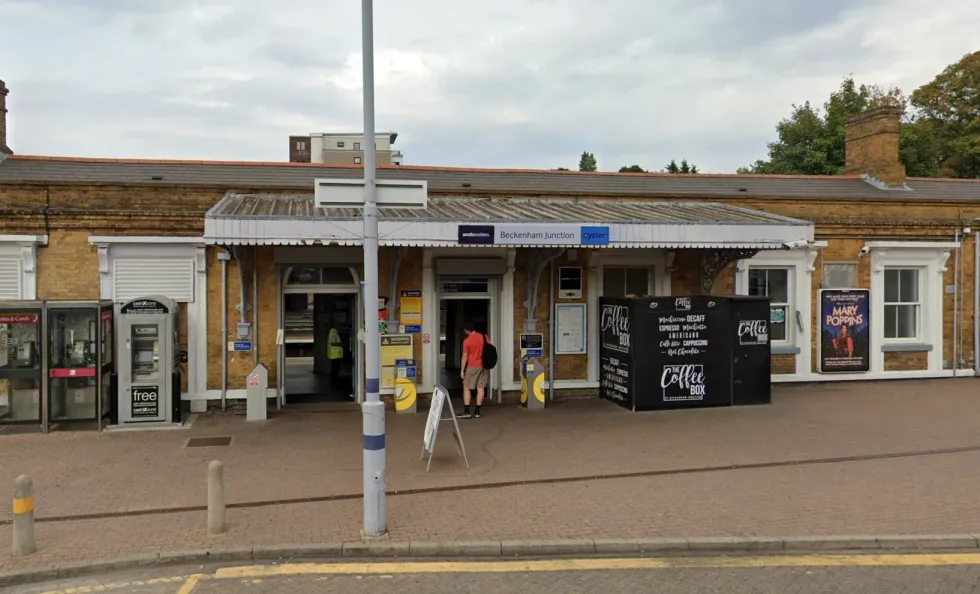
<point>872,140</point>
<point>68,267</point>
<point>69,214</point>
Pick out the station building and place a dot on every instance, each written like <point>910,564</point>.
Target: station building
<point>250,258</point>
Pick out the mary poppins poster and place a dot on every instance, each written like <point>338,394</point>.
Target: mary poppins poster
<point>844,330</point>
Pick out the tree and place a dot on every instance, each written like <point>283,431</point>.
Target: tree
<point>949,111</point>
<point>588,162</point>
<point>632,169</point>
<point>684,167</point>
<point>811,141</point>
<point>562,169</point>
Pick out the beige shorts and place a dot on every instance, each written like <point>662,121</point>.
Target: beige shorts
<point>476,377</point>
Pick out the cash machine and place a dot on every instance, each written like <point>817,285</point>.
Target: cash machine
<point>148,362</point>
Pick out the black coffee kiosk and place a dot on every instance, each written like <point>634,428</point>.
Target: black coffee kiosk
<point>751,362</point>
<point>684,352</point>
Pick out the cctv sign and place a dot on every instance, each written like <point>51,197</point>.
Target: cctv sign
<point>145,402</point>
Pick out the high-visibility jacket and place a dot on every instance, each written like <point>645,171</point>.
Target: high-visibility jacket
<point>335,348</point>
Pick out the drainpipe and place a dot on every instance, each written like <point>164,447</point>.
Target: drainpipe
<point>535,267</point>
<point>395,257</point>
<point>551,329</point>
<point>280,352</point>
<point>956,300</point>
<point>224,257</point>
<point>959,295</point>
<point>255,307</point>
<point>976,302</point>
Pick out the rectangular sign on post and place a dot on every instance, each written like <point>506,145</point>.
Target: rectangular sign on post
<point>536,234</point>
<point>845,330</point>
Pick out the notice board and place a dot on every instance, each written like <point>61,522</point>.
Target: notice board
<point>393,348</point>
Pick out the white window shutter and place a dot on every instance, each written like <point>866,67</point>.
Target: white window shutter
<point>11,278</point>
<point>141,277</point>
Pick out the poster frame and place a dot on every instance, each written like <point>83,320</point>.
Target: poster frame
<point>819,327</point>
<point>584,314</point>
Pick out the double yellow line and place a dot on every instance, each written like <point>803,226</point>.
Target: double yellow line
<point>190,582</point>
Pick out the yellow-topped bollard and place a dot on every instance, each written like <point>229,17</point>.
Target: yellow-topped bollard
<point>23,522</point>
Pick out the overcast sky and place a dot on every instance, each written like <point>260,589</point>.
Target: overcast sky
<point>509,83</point>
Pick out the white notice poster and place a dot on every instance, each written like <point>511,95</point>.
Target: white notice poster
<point>570,324</point>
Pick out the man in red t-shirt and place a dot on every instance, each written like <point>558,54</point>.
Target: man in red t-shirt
<point>471,370</point>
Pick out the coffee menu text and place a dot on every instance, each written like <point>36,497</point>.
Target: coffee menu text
<point>683,334</point>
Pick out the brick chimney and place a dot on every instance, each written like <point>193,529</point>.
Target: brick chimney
<point>872,145</point>
<point>4,149</point>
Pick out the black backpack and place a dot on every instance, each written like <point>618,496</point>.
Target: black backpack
<point>489,354</point>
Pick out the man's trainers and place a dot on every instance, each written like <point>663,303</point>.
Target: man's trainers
<point>465,415</point>
<point>476,414</point>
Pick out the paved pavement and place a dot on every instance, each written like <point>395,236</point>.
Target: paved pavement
<point>676,483</point>
<point>892,574</point>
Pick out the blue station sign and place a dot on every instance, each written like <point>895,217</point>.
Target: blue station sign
<point>536,234</point>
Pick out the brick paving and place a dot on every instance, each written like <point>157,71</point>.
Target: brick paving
<point>300,455</point>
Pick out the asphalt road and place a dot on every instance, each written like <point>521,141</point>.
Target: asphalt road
<point>868,574</point>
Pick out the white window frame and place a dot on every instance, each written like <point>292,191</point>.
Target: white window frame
<point>800,263</point>
<point>660,262</point>
<point>24,248</point>
<point>650,270</point>
<point>920,276</point>
<point>789,314</point>
<point>194,248</point>
<point>930,257</point>
<point>357,146</point>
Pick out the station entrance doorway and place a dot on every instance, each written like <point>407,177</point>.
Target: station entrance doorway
<point>320,351</point>
<point>462,301</point>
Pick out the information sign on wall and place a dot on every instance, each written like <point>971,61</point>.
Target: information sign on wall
<point>845,330</point>
<point>411,308</point>
<point>570,329</point>
<point>393,348</point>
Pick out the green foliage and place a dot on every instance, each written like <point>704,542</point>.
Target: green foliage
<point>684,167</point>
<point>588,162</point>
<point>940,130</point>
<point>949,111</point>
<point>811,141</point>
<point>632,169</point>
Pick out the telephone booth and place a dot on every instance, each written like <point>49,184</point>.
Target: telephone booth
<point>20,363</point>
<point>80,362</point>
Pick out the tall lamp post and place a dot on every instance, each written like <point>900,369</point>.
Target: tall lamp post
<point>372,409</point>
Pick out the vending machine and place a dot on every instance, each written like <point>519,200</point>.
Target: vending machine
<point>148,362</point>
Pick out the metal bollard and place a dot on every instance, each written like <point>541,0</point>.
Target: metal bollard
<point>216,497</point>
<point>23,523</point>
